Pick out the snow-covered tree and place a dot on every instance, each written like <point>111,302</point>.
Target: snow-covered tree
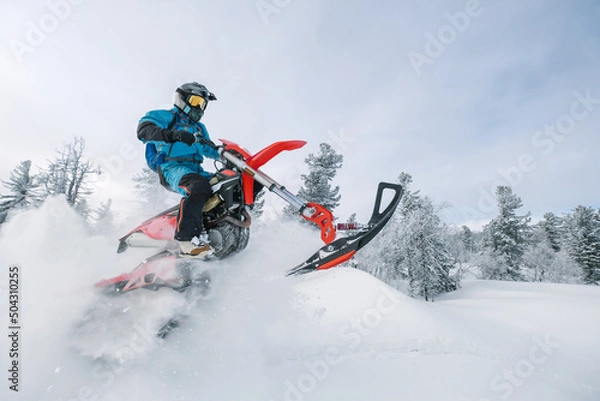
<point>410,200</point>
<point>317,188</point>
<point>23,187</point>
<point>427,257</point>
<point>69,173</point>
<point>490,266</point>
<point>545,264</point>
<point>583,241</point>
<point>413,246</point>
<point>537,255</point>
<point>381,258</point>
<point>553,229</point>
<point>506,237</point>
<point>461,245</point>
<point>146,184</point>
<point>384,257</point>
<point>467,238</point>
<point>543,259</point>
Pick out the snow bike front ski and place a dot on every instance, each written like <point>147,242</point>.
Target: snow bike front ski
<point>343,249</point>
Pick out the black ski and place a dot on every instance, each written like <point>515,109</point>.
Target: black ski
<point>171,325</point>
<point>343,249</point>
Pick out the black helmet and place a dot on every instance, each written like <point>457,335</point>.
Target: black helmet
<point>192,99</point>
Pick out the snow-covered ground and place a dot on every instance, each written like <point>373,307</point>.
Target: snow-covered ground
<point>334,335</point>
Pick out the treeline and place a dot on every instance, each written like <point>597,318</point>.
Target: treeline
<point>68,173</point>
<point>559,249</point>
<point>418,250</point>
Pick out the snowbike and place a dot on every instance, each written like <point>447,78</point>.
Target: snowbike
<point>227,222</point>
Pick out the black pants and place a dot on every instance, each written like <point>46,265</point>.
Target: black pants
<point>189,218</point>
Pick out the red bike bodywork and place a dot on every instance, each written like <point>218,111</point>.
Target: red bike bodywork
<point>155,272</point>
<point>257,160</point>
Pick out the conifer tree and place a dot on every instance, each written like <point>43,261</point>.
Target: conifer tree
<point>410,200</point>
<point>506,237</point>
<point>426,253</point>
<point>384,258</point>
<point>413,246</point>
<point>552,226</point>
<point>583,242</point>
<point>467,239</point>
<point>461,244</point>
<point>322,169</point>
<point>23,187</point>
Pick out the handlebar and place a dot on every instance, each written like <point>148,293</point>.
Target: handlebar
<point>202,140</point>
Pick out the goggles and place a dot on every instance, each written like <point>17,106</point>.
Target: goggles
<point>197,101</point>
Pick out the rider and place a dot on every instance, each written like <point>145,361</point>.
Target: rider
<point>172,132</point>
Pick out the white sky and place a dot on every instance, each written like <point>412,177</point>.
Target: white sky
<point>336,71</point>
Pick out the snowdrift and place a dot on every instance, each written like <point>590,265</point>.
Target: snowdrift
<point>337,334</point>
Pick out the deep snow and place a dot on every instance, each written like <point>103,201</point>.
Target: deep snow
<point>333,335</point>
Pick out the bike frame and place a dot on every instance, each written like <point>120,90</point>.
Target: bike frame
<point>310,211</point>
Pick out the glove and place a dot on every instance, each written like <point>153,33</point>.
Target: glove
<point>180,136</point>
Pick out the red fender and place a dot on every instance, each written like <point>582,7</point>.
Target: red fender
<point>258,160</point>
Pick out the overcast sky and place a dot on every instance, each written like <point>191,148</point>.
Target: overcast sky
<point>461,95</point>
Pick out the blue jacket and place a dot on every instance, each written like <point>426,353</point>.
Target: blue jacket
<point>179,157</point>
